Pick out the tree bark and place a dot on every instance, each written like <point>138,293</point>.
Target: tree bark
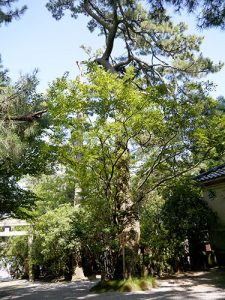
<point>26,118</point>
<point>127,215</point>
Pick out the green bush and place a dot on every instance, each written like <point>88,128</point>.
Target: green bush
<point>129,285</point>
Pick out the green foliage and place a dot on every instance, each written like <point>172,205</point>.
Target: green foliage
<point>186,216</point>
<point>51,191</point>
<point>157,248</point>
<point>209,13</point>
<point>55,240</point>
<point>15,254</point>
<point>62,232</point>
<point>123,143</point>
<point>129,285</point>
<point>17,247</point>
<point>22,148</point>
<point>13,199</point>
<point>171,223</point>
<point>125,133</point>
<point>158,50</point>
<point>121,136</point>
<point>100,123</point>
<point>184,212</point>
<point>7,13</point>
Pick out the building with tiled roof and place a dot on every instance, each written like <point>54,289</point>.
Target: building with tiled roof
<point>213,186</point>
<point>212,174</point>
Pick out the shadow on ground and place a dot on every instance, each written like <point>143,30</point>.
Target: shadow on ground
<point>202,285</point>
<point>214,277</point>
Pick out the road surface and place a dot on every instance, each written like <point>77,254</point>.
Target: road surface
<point>202,285</point>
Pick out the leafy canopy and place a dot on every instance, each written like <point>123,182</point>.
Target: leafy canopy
<point>106,120</point>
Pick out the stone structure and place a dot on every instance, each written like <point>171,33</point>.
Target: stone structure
<point>9,225</point>
<point>8,228</point>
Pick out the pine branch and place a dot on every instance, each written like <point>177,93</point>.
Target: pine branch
<point>27,117</point>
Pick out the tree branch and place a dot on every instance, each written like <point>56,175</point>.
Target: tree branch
<point>112,33</point>
<point>155,163</point>
<point>26,118</point>
<point>96,17</point>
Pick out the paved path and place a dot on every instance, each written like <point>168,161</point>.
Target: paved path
<point>204,285</point>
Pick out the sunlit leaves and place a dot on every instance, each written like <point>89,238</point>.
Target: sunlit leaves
<point>164,136</point>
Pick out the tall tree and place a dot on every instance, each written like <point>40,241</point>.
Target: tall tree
<point>131,142</point>
<point>161,56</point>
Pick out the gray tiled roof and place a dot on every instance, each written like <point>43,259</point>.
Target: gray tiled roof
<point>211,174</point>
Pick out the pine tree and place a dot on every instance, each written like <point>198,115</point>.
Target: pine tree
<point>209,13</point>
<point>7,13</point>
<point>22,150</point>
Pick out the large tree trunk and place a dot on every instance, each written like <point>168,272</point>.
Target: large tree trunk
<point>127,217</point>
<point>126,222</point>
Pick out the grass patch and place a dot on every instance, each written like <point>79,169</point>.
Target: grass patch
<point>129,285</point>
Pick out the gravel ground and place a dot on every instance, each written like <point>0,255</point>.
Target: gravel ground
<point>201,285</point>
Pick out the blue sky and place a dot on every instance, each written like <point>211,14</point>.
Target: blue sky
<point>39,41</point>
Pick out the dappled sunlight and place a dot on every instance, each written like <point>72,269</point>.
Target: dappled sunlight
<point>192,285</point>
